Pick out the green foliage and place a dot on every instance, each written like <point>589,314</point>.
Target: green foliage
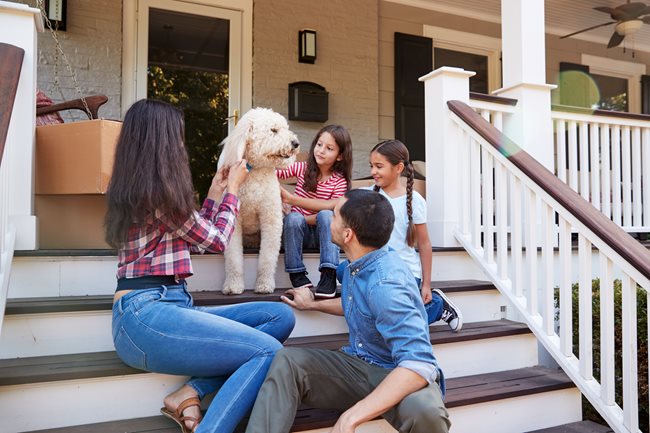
<point>203,97</point>
<point>642,346</point>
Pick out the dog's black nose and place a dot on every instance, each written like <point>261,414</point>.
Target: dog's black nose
<point>295,144</point>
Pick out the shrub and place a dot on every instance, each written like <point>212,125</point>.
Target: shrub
<point>642,346</point>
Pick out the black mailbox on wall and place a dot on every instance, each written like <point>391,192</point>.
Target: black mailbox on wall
<point>308,101</point>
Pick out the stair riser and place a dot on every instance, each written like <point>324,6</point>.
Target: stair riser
<point>79,332</point>
<point>79,402</point>
<point>79,276</point>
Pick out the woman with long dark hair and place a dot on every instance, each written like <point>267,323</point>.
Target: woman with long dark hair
<point>153,223</point>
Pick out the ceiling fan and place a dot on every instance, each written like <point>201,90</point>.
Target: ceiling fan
<point>628,17</point>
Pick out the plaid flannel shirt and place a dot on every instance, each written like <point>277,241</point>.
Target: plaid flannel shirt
<point>157,248</point>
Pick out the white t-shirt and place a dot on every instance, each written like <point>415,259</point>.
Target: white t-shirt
<point>398,236</point>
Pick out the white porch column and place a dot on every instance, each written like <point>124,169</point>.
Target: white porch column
<point>524,78</point>
<point>443,180</point>
<point>19,25</point>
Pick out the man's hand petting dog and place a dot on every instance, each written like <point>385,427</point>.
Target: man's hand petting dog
<point>300,298</point>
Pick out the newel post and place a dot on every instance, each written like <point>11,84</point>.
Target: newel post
<point>19,25</point>
<point>443,174</point>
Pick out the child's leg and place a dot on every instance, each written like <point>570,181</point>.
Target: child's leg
<point>329,253</point>
<point>293,235</point>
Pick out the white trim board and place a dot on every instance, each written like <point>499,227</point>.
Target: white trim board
<point>469,43</point>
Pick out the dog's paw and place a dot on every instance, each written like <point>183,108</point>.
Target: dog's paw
<point>232,289</point>
<point>264,289</point>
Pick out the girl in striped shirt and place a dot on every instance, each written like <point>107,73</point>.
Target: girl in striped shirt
<point>322,179</point>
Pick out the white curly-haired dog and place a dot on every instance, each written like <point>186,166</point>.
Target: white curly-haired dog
<point>263,138</point>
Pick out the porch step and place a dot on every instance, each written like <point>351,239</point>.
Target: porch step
<point>464,392</point>
<point>42,326</point>
<point>577,427</point>
<point>20,371</point>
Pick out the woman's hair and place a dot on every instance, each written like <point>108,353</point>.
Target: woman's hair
<point>395,152</point>
<point>151,171</point>
<point>344,166</point>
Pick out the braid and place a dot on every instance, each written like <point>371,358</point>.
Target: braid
<point>410,232</point>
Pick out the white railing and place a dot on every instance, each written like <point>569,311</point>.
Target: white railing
<point>603,158</point>
<point>494,109</point>
<point>511,205</point>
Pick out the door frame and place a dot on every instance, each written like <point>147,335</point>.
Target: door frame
<point>131,45</point>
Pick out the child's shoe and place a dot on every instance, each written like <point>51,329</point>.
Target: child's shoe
<point>450,313</point>
<point>299,279</point>
<point>326,287</point>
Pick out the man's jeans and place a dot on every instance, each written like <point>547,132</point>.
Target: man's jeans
<point>298,234</point>
<point>227,347</point>
<point>335,380</point>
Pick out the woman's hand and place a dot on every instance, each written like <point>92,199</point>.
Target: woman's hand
<point>426,294</point>
<point>236,176</point>
<point>219,183</point>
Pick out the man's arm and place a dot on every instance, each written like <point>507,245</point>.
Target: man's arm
<point>397,385</point>
<point>303,299</point>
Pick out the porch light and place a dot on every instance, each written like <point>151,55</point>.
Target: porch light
<point>307,46</point>
<point>628,27</point>
<point>56,11</point>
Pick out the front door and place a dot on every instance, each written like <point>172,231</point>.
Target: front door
<point>190,56</point>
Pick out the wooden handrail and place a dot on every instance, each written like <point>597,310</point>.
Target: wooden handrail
<point>10,67</point>
<point>492,98</point>
<point>613,235</point>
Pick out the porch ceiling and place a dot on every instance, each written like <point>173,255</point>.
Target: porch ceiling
<point>562,17</point>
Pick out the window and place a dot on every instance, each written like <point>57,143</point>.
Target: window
<point>612,93</point>
<point>469,62</point>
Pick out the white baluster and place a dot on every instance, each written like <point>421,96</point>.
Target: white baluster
<point>627,177</point>
<point>573,155</point>
<point>605,171</point>
<point>584,160</point>
<point>498,120</point>
<point>531,250</point>
<point>548,286</point>
<point>566,291</point>
<point>560,140</point>
<point>645,168</point>
<point>502,220</point>
<point>515,234</point>
<point>585,308</point>
<point>637,206</point>
<point>464,179</point>
<point>607,362</point>
<point>475,191</point>
<point>594,148</point>
<point>617,212</point>
<point>488,207</point>
<point>630,377</point>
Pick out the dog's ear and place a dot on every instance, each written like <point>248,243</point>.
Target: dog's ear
<point>234,145</point>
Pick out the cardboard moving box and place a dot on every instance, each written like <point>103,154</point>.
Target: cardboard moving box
<point>75,158</point>
<point>71,221</point>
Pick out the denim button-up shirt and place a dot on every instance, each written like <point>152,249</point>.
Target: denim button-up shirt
<point>385,314</point>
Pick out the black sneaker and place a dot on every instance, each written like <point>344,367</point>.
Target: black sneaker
<point>326,287</point>
<point>299,279</point>
<point>450,313</point>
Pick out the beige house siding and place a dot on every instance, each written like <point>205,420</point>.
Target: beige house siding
<point>346,64</point>
<point>93,45</point>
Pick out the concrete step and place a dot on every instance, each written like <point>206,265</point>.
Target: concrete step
<point>98,387</point>
<point>75,324</point>
<point>51,273</point>
<point>577,427</point>
<point>505,402</point>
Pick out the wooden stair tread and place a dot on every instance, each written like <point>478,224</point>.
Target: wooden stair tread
<point>460,391</point>
<point>577,427</point>
<point>39,305</point>
<point>102,364</point>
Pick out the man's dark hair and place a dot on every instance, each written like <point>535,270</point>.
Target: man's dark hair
<point>370,215</point>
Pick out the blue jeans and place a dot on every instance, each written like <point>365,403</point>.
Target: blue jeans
<point>433,308</point>
<point>228,347</point>
<point>297,234</point>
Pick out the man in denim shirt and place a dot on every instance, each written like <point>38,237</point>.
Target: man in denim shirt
<point>388,369</point>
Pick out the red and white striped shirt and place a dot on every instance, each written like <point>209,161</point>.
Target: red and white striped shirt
<point>334,187</point>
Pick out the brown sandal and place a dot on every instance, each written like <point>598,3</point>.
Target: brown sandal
<point>178,416</point>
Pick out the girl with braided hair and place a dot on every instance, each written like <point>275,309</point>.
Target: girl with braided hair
<point>389,160</point>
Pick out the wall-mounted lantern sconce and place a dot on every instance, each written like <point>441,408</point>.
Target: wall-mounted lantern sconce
<point>56,11</point>
<point>307,46</point>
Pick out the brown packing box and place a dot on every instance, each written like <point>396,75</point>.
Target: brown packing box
<point>75,158</point>
<point>71,221</point>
